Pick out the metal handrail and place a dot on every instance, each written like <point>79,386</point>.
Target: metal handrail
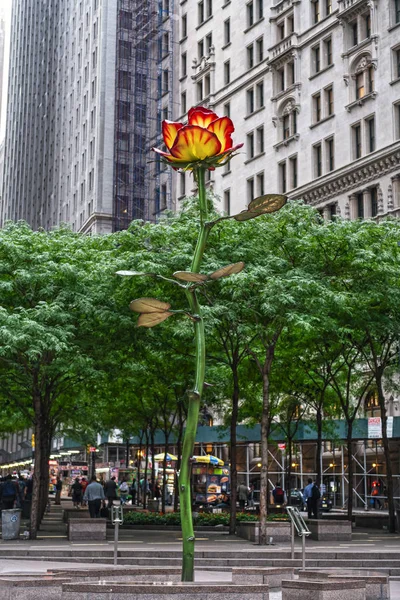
<point>298,523</point>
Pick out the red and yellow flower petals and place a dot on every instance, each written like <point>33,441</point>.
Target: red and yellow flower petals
<point>195,143</point>
<point>201,116</point>
<point>169,131</point>
<point>223,127</point>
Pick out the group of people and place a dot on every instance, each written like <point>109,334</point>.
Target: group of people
<point>87,493</point>
<point>13,491</point>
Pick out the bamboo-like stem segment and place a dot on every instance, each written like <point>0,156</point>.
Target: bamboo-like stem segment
<point>195,394</point>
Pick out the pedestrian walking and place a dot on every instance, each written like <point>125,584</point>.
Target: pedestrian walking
<point>133,491</point>
<point>10,491</point>
<point>76,493</point>
<point>94,496</point>
<point>110,491</point>
<point>278,494</point>
<point>312,495</point>
<point>58,491</point>
<point>250,497</point>
<point>123,491</point>
<point>242,492</point>
<point>84,484</point>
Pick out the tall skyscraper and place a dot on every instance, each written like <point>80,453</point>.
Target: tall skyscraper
<point>2,50</point>
<point>89,82</point>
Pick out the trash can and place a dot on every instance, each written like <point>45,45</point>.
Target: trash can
<point>153,505</point>
<point>11,523</point>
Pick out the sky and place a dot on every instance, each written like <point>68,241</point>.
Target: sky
<point>5,8</point>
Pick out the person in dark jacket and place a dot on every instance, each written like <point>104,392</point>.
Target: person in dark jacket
<point>76,492</point>
<point>110,491</point>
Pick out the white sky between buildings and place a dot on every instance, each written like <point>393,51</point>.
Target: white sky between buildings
<point>5,12</point>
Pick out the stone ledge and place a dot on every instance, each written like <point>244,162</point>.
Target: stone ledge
<point>272,576</point>
<point>329,530</point>
<point>376,584</point>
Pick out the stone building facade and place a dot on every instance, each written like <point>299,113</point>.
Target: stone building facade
<point>313,87</point>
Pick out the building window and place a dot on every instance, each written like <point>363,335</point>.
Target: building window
<point>329,107</point>
<point>227,72</point>
<point>289,120</point>
<point>317,108</point>
<point>183,103</point>
<point>227,109</point>
<point>184,64</point>
<point>250,145</point>
<point>397,11</point>
<point>328,51</point>
<point>330,154</point>
<point>260,50</point>
<point>250,56</point>
<point>370,123</point>
<point>200,12</point>
<point>124,80</point>
<point>281,30</point>
<point>260,184</point>
<point>367,25</point>
<point>250,13</point>
<point>250,101</point>
<point>396,109</point>
<point>356,134</point>
<point>227,202</point>
<point>260,140</point>
<point>328,7</point>
<point>250,189</point>
<point>259,9</point>
<point>374,201</point>
<point>354,33</point>
<point>316,12</point>
<point>125,19</point>
<point>184,26</point>
<point>260,94</point>
<point>280,79</point>
<point>227,32</point>
<point>209,8</point>
<point>200,49</point>
<point>360,87</point>
<point>317,152</point>
<point>316,56</point>
<point>396,63</point>
<point>182,186</point>
<point>293,172</point>
<point>199,87</point>
<point>364,78</point>
<point>360,205</point>
<point>124,110</point>
<point>282,177</point>
<point>208,44</point>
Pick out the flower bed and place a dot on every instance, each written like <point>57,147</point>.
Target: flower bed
<point>199,519</point>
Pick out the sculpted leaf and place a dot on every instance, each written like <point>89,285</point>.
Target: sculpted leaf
<point>130,273</point>
<point>188,276</point>
<point>246,215</point>
<point>267,204</point>
<point>148,305</point>
<point>228,270</point>
<point>152,319</point>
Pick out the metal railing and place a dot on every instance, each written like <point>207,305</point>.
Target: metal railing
<point>298,524</point>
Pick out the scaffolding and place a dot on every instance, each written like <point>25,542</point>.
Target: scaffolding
<point>144,97</point>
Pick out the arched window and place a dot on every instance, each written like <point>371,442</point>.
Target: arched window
<point>288,120</point>
<point>364,77</point>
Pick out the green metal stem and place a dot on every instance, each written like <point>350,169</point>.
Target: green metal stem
<point>195,394</point>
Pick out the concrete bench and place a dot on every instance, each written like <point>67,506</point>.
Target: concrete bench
<point>322,590</point>
<point>329,530</point>
<point>272,576</point>
<point>250,530</point>
<point>376,584</point>
<point>87,530</point>
<point>149,574</point>
<point>75,513</point>
<point>178,591</point>
<point>37,588</point>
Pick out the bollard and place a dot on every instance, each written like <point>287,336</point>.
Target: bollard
<point>117,518</point>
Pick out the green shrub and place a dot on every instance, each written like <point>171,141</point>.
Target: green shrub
<point>200,519</point>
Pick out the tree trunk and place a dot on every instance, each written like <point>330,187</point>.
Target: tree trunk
<point>164,483</point>
<point>234,419</point>
<point>319,446</point>
<point>386,449</point>
<point>127,449</point>
<point>144,491</point>
<point>350,469</point>
<point>35,507</point>
<point>153,466</point>
<point>265,420</point>
<point>139,464</point>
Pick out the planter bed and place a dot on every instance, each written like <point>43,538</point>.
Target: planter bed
<point>250,530</point>
<point>171,527</point>
<point>322,590</point>
<point>330,530</point>
<point>376,584</point>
